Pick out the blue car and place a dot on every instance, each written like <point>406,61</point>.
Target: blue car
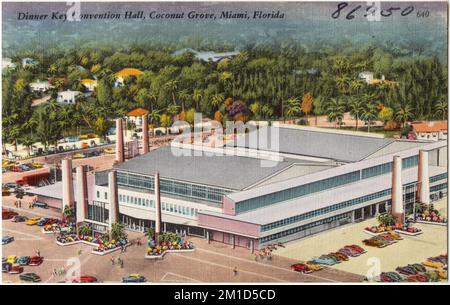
<point>7,240</point>
<point>6,267</point>
<point>23,260</point>
<point>42,221</point>
<point>40,205</point>
<point>134,278</point>
<point>324,261</point>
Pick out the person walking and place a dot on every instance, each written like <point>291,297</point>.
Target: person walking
<point>235,271</point>
<point>38,253</point>
<point>112,260</point>
<point>121,263</point>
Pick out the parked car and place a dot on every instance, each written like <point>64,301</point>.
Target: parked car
<point>390,277</point>
<point>71,139</point>
<point>433,264</point>
<point>7,214</point>
<point>78,156</point>
<point>42,222</point>
<point>406,270</point>
<point>109,151</point>
<point>84,145</point>
<point>302,268</point>
<point>313,266</point>
<point>32,221</point>
<point>418,267</point>
<point>85,279</point>
<point>324,261</point>
<point>16,269</point>
<point>19,218</point>
<point>6,267</point>
<point>11,259</point>
<point>134,278</point>
<point>39,204</point>
<point>417,278</point>
<point>23,260</point>
<point>36,260</point>
<point>7,240</point>
<point>30,277</point>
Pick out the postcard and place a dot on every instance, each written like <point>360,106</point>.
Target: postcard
<point>224,142</point>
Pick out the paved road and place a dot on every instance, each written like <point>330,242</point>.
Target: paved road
<point>209,263</point>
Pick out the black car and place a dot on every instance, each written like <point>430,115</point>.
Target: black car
<point>30,277</point>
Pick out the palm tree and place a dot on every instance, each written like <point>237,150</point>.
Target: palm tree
<point>356,108</point>
<point>369,114</point>
<point>117,232</point>
<point>292,107</point>
<point>65,118</point>
<point>14,132</point>
<point>197,96</point>
<point>217,100</point>
<point>68,212</point>
<point>404,114</point>
<point>172,86</point>
<point>184,97</point>
<point>441,108</point>
<point>27,141</point>
<point>30,124</point>
<point>335,111</point>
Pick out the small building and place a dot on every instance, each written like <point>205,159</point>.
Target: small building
<point>67,97</point>
<point>124,73</point>
<point>40,86</point>
<point>207,55</point>
<point>433,131</point>
<point>89,84</point>
<point>135,116</point>
<point>7,63</point>
<point>28,62</point>
<point>367,76</point>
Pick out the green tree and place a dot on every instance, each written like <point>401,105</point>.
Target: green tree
<point>335,111</point>
<point>166,121</point>
<point>369,114</point>
<point>404,114</point>
<point>356,107</point>
<point>385,115</point>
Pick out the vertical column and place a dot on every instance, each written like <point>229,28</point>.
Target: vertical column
<point>67,183</point>
<point>81,194</point>
<point>233,238</point>
<point>423,179</point>
<point>113,199</point>
<point>144,134</point>
<point>397,190</point>
<point>120,153</point>
<point>158,207</point>
<point>252,245</point>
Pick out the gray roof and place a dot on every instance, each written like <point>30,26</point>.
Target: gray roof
<point>52,190</point>
<point>229,172</point>
<point>397,146</point>
<point>323,199</point>
<point>325,144</point>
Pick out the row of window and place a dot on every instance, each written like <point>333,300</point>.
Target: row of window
<point>438,177</point>
<point>171,187</point>
<point>168,207</point>
<point>302,228</point>
<point>438,187</point>
<point>295,192</point>
<point>321,185</point>
<point>325,210</point>
<point>97,212</point>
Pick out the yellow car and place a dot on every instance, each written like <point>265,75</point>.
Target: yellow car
<point>312,266</point>
<point>78,156</point>
<point>433,264</point>
<point>38,165</point>
<point>32,221</point>
<point>109,151</point>
<point>83,137</point>
<point>11,259</point>
<point>442,274</point>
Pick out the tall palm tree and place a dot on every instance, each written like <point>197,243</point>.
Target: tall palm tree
<point>292,107</point>
<point>65,118</point>
<point>172,86</point>
<point>184,97</point>
<point>356,107</point>
<point>404,114</point>
<point>441,108</point>
<point>369,114</point>
<point>335,111</point>
<point>197,96</point>
<point>217,100</point>
<point>27,141</point>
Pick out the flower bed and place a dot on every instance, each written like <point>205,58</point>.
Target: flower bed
<point>377,230</point>
<point>176,245</point>
<point>411,231</point>
<point>101,247</point>
<point>108,246</point>
<point>428,214</point>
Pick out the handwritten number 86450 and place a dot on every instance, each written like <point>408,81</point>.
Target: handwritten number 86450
<point>369,11</point>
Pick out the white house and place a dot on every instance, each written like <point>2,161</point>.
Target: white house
<point>40,86</point>
<point>432,131</point>
<point>28,62</point>
<point>7,63</point>
<point>367,76</point>
<point>67,97</point>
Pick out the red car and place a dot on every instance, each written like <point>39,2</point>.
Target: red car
<point>16,269</point>
<point>417,278</point>
<point>8,214</point>
<point>356,248</point>
<point>301,268</point>
<point>36,261</point>
<point>85,279</point>
<point>51,221</point>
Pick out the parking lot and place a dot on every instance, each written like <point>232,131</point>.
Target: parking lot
<point>412,249</point>
<point>208,263</point>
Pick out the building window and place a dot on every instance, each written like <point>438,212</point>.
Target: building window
<point>106,196</point>
<point>98,194</point>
